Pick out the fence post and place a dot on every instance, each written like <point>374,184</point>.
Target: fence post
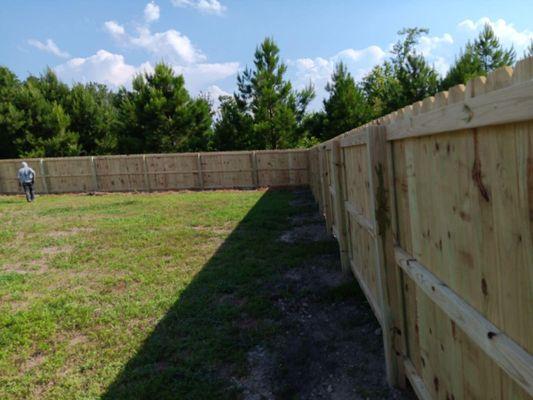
<point>93,173</point>
<point>43,176</point>
<point>290,164</point>
<point>145,173</point>
<point>324,186</point>
<point>255,174</point>
<point>338,206</point>
<point>395,280</point>
<point>385,276</point>
<point>200,173</point>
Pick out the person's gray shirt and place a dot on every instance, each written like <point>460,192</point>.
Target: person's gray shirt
<point>26,174</point>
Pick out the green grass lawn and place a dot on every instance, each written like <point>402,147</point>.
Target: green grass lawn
<point>138,295</point>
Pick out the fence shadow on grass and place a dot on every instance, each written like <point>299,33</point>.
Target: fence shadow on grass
<point>203,339</point>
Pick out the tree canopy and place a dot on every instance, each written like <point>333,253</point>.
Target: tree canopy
<point>42,116</point>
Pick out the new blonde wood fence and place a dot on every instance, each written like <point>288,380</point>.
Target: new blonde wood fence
<point>432,207</point>
<point>155,172</point>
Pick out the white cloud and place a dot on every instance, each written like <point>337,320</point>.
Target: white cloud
<point>318,70</point>
<point>198,76</point>
<point>102,67</point>
<point>214,93</point>
<point>428,44</point>
<point>170,44</point>
<point>441,64</point>
<point>204,6</point>
<point>49,47</point>
<point>371,52</point>
<point>114,29</point>
<point>506,32</point>
<point>151,12</point>
<point>113,70</point>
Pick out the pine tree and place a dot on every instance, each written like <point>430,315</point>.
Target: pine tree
<point>491,53</point>
<point>379,87</point>
<point>92,116</point>
<point>11,118</point>
<point>479,58</point>
<point>415,77</point>
<point>158,115</point>
<point>264,93</point>
<point>45,129</point>
<point>233,129</point>
<point>346,107</point>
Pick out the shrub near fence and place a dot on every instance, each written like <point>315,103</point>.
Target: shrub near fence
<point>432,207</point>
<point>220,170</point>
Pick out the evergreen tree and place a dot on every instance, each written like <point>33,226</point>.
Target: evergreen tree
<point>275,108</point>
<point>92,116</point>
<point>416,78</point>
<point>491,53</point>
<point>466,66</point>
<point>479,58</point>
<point>45,128</point>
<point>346,107</point>
<point>314,129</point>
<point>233,129</point>
<point>403,80</point>
<point>158,115</point>
<point>11,118</point>
<point>379,87</point>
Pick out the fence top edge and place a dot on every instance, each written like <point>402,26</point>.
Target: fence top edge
<point>503,78</point>
<point>154,155</point>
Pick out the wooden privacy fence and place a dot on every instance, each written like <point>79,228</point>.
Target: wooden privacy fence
<point>221,170</point>
<point>432,207</point>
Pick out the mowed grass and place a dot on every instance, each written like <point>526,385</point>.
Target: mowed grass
<point>138,295</point>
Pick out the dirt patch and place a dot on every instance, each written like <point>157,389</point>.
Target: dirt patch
<point>314,232</point>
<point>306,218</point>
<point>69,232</point>
<point>77,339</point>
<point>217,230</point>
<point>258,385</point>
<point>34,361</point>
<point>53,250</point>
<point>33,266</point>
<point>331,345</point>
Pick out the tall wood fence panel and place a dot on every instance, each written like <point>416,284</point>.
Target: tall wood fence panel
<point>156,172</point>
<point>436,206</point>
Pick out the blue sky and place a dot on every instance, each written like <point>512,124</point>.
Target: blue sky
<point>209,41</point>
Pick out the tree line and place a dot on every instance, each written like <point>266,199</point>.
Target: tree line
<point>44,117</point>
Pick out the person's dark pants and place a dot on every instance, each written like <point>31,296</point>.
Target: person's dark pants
<point>28,189</point>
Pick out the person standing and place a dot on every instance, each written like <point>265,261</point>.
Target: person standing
<point>26,177</point>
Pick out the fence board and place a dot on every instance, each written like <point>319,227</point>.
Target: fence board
<point>220,170</point>
<point>460,197</point>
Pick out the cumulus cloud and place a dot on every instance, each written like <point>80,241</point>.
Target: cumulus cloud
<point>151,12</point>
<point>113,70</point>
<point>169,44</point>
<point>428,44</point>
<point>49,46</point>
<point>214,93</point>
<point>102,67</point>
<point>114,29</point>
<point>318,70</point>
<point>204,6</point>
<point>506,32</point>
<point>198,76</point>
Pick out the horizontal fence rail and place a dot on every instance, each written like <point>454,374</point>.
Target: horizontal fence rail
<point>159,172</point>
<point>432,207</point>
